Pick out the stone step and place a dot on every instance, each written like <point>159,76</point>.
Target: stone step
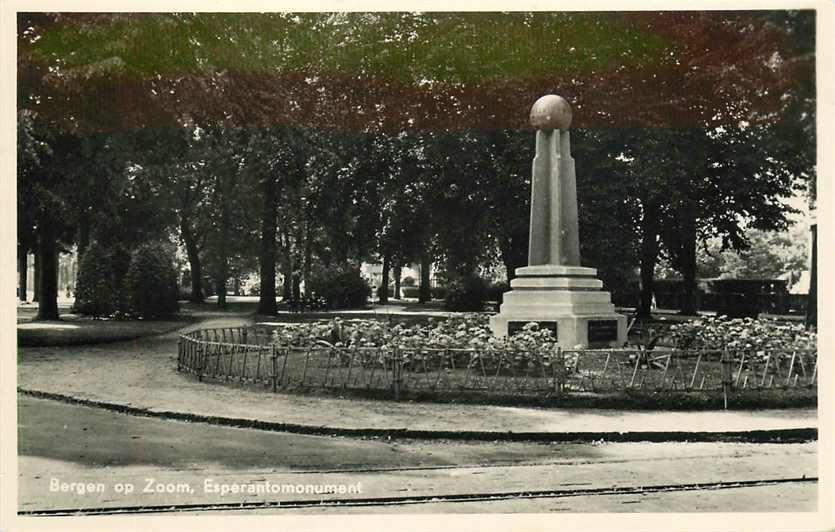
<point>556,283</point>
<point>536,297</point>
<point>555,270</point>
<point>545,311</point>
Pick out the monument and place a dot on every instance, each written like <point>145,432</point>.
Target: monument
<point>554,290</point>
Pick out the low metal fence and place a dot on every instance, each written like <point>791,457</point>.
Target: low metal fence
<point>247,355</point>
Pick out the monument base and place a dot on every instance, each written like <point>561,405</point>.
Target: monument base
<point>566,299</point>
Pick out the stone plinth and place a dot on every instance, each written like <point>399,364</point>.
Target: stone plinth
<point>568,296</point>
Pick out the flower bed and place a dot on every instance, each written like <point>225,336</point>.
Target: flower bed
<point>458,355</point>
<point>458,331</point>
<point>762,334</point>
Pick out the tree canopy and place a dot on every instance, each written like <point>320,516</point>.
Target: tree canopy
<point>349,136</point>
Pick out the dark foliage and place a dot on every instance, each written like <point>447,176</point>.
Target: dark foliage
<point>151,281</point>
<point>95,293</point>
<point>340,286</point>
<point>466,294</point>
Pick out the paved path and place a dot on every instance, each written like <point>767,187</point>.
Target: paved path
<point>142,374</point>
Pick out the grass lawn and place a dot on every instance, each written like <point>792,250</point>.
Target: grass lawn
<point>76,330</point>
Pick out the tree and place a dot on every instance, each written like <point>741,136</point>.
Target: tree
<point>769,255</point>
<point>446,95</point>
<point>32,149</point>
<point>43,197</point>
<point>812,304</point>
<point>220,218</point>
<point>267,295</point>
<point>151,281</point>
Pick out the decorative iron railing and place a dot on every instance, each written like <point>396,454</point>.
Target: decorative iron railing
<point>247,355</point>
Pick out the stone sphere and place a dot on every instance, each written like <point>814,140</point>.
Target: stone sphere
<point>551,112</point>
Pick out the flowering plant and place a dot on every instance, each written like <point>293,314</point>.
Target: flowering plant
<point>467,332</point>
<point>459,331</point>
<point>761,334</point>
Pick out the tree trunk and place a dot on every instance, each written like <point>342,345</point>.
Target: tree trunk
<point>398,272</point>
<point>308,257</point>
<point>425,291</point>
<point>383,290</point>
<point>514,255</point>
<point>83,232</point>
<point>297,286</point>
<point>196,279</point>
<point>23,269</point>
<point>221,276</point>
<point>689,299</point>
<point>689,303</point>
<point>649,255</point>
<point>298,263</point>
<point>220,288</point>
<point>266,300</point>
<point>287,272</point>
<point>37,287</point>
<point>509,268</point>
<point>193,253</point>
<point>48,274</point>
<point>812,298</point>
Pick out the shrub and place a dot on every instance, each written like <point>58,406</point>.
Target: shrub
<point>438,292</point>
<point>184,292</point>
<point>306,303</point>
<point>151,281</point>
<point>95,293</point>
<point>495,292</point>
<point>410,291</point>
<point>408,281</point>
<point>466,294</point>
<point>390,291</point>
<point>340,286</point>
<point>742,333</point>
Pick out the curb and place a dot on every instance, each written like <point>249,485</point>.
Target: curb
<point>796,435</point>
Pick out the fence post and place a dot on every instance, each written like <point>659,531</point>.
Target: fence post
<point>696,370</point>
<point>306,362</point>
<point>275,374</point>
<point>194,353</point>
<point>200,348</point>
<point>179,353</point>
<point>814,372</point>
<point>726,375</point>
<point>765,370</point>
<point>635,371</point>
<point>666,368</point>
<point>395,372</point>
<point>791,368</point>
<point>739,371</point>
<point>559,371</point>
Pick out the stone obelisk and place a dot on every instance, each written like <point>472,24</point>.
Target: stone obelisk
<point>554,290</point>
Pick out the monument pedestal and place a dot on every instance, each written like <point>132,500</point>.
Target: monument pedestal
<point>554,290</point>
<point>566,299</point>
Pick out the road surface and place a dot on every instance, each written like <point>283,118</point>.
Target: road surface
<point>75,458</point>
